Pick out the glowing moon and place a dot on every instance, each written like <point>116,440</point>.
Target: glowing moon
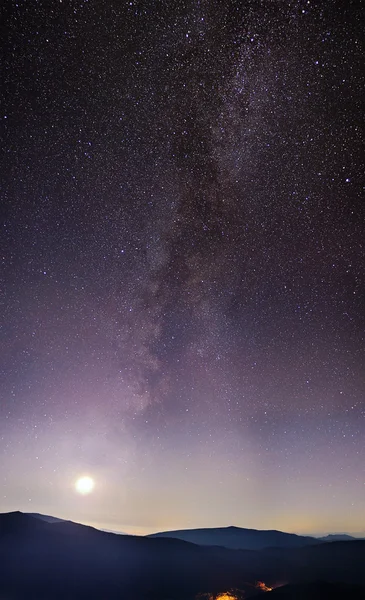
<point>84,485</point>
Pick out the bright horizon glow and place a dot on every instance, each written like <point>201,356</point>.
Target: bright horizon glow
<point>84,485</point>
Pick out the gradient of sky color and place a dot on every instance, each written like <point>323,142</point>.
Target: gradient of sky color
<point>183,263</point>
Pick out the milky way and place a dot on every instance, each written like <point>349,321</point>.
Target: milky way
<point>183,263</point>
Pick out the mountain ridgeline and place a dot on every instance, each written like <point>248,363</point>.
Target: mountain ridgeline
<point>50,558</point>
<point>238,538</point>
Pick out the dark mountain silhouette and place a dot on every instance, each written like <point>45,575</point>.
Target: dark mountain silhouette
<point>338,537</point>
<point>64,560</point>
<point>317,590</point>
<point>239,538</point>
<point>47,518</point>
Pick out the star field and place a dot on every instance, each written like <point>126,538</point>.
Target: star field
<point>183,263</point>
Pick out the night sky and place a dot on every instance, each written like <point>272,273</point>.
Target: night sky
<point>183,263</point>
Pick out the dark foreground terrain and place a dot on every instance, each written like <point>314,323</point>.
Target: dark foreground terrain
<point>61,560</point>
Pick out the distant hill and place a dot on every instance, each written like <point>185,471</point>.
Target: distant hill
<point>63,560</point>
<point>113,531</point>
<point>47,518</point>
<point>238,538</point>
<point>338,537</point>
<point>50,519</point>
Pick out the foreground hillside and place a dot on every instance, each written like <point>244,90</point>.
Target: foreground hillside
<point>317,590</point>
<point>63,560</point>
